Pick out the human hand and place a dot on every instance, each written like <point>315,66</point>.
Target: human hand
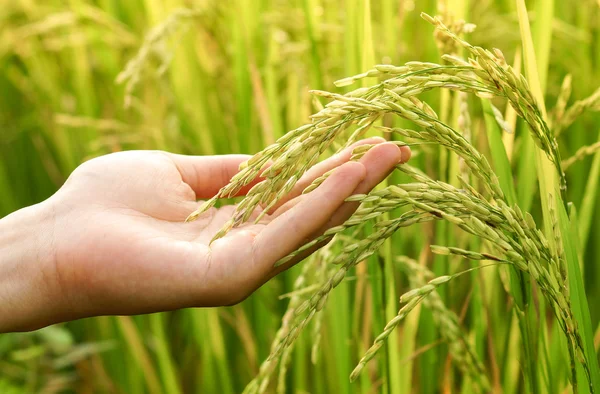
<point>113,240</point>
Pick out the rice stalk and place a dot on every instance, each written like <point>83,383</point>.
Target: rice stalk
<point>562,101</point>
<point>464,125</point>
<point>581,154</point>
<point>448,323</point>
<point>153,45</point>
<point>512,234</point>
<point>304,285</point>
<point>411,299</point>
<point>509,231</point>
<point>526,247</point>
<point>488,75</point>
<point>591,103</point>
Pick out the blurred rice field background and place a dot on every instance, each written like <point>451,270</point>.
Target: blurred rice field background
<point>81,78</point>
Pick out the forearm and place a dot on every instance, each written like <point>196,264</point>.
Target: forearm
<point>28,291</point>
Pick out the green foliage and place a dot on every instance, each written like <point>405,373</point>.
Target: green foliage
<point>82,78</point>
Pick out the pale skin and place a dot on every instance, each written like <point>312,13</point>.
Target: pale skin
<point>113,241</point>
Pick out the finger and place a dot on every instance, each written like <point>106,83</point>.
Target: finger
<point>330,163</point>
<point>379,162</point>
<point>406,154</point>
<point>292,229</point>
<point>319,169</point>
<point>207,174</point>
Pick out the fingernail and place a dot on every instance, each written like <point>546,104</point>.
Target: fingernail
<point>406,154</point>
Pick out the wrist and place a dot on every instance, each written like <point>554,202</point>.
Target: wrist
<point>29,290</point>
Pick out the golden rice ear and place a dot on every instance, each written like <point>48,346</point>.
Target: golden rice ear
<point>133,72</point>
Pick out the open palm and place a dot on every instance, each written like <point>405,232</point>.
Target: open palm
<point>122,247</point>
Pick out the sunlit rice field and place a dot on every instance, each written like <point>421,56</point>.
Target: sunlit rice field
<point>471,269</point>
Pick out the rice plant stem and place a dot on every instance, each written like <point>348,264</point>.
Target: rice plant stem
<point>165,362</point>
